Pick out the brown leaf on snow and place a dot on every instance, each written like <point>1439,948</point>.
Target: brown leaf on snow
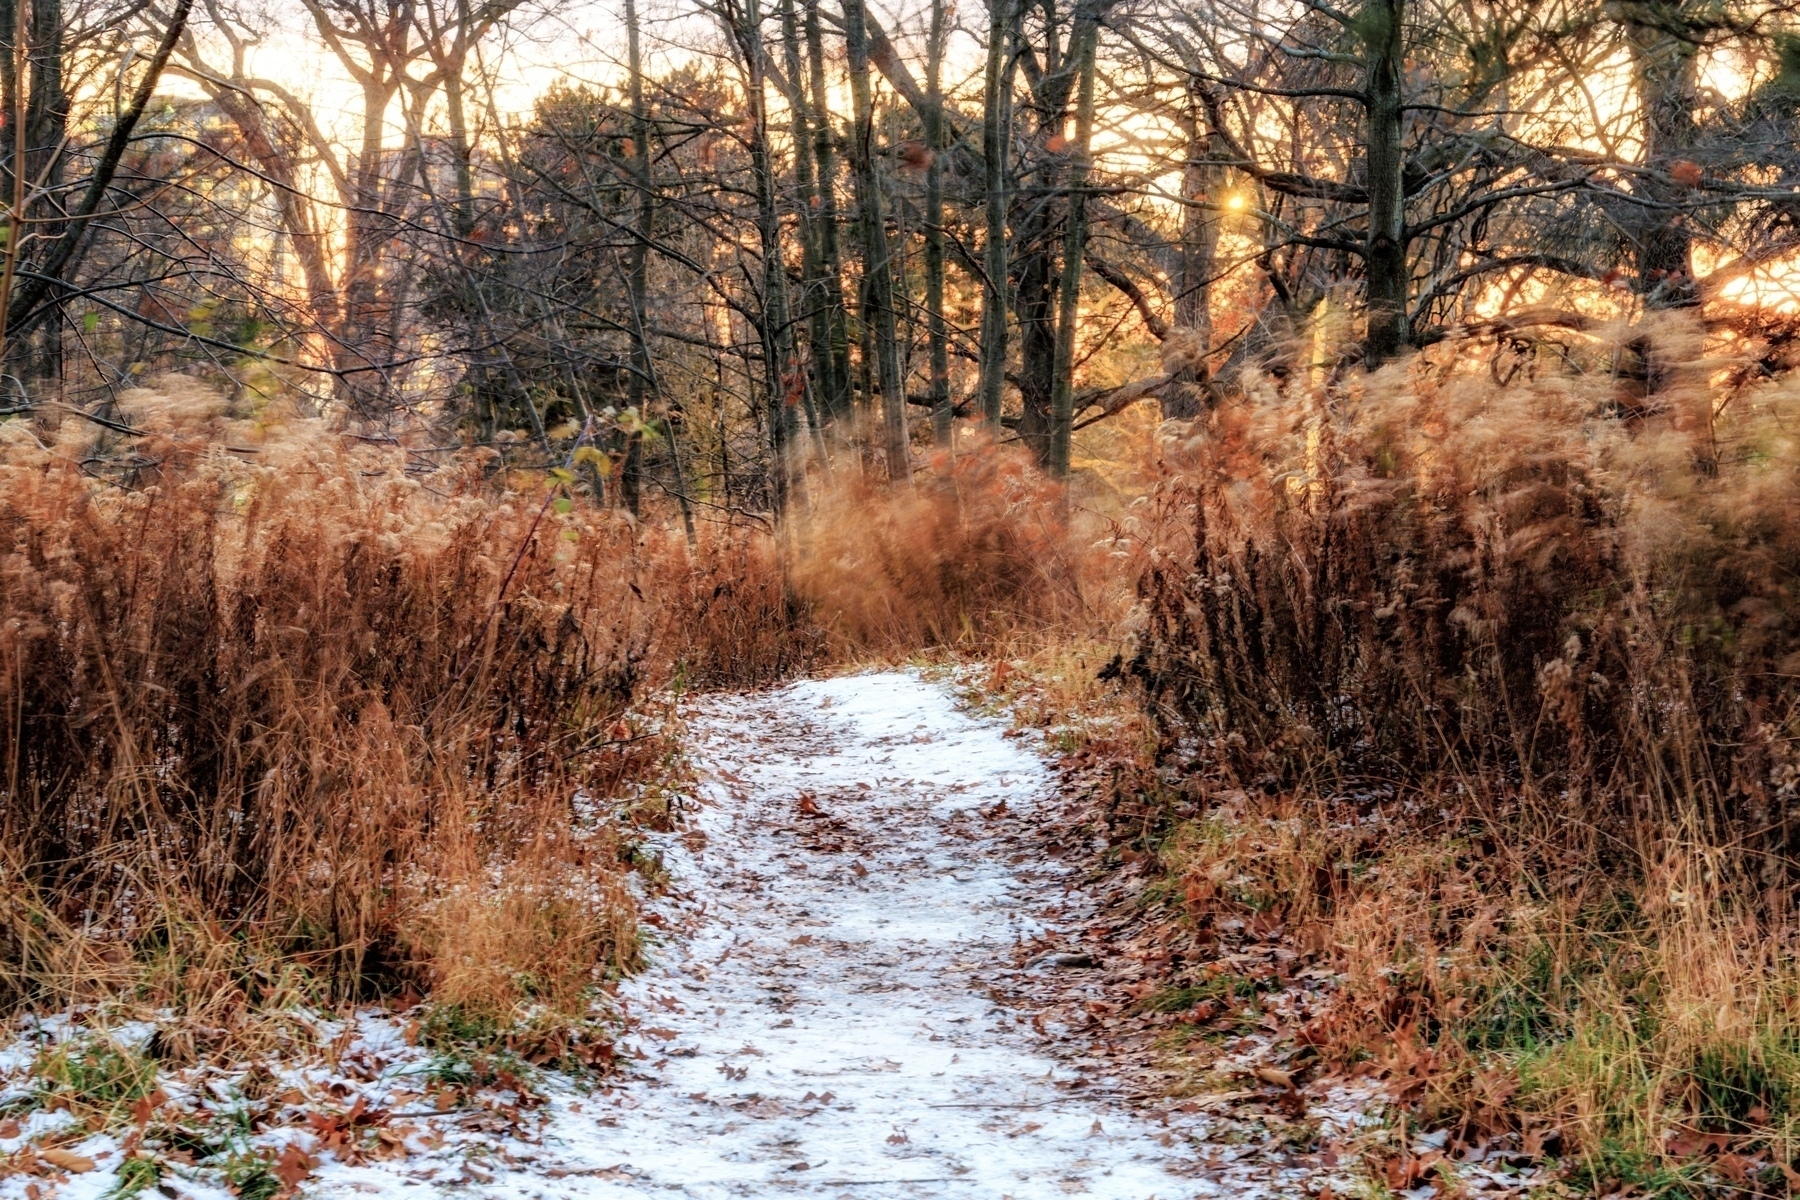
<point>67,1160</point>
<point>9,1128</point>
<point>661,1034</point>
<point>293,1166</point>
<point>1274,1076</point>
<point>857,869</point>
<point>145,1106</point>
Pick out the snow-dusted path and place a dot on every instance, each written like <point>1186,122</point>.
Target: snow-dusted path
<point>814,1014</point>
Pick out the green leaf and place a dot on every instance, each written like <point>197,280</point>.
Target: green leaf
<point>90,322</point>
<point>596,458</point>
<point>563,504</point>
<point>562,475</point>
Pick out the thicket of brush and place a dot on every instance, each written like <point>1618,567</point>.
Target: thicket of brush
<point>289,722</point>
<point>291,716</point>
<point>981,554</point>
<point>1491,694</point>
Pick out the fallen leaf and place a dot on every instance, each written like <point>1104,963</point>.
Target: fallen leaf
<point>857,869</point>
<point>294,1165</point>
<point>9,1128</point>
<point>1275,1076</point>
<point>67,1160</point>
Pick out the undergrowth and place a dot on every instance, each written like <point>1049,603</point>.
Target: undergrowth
<point>1484,696</point>
<point>298,719</point>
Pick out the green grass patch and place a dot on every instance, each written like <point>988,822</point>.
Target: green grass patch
<point>251,1176</point>
<point>1221,989</point>
<point>95,1077</point>
<point>136,1175</point>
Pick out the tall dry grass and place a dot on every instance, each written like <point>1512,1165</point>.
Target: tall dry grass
<point>1503,681</point>
<point>983,553</point>
<point>296,716</point>
<point>288,714</point>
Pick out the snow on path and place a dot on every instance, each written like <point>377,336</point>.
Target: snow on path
<point>822,1030</point>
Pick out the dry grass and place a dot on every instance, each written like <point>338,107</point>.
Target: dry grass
<point>309,720</point>
<point>1487,693</point>
<point>295,717</point>
<point>982,554</point>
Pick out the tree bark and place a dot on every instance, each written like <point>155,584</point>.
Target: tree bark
<point>780,370</point>
<point>1665,74</point>
<point>839,392</point>
<point>996,138</point>
<point>631,473</point>
<point>23,310</point>
<point>879,311</point>
<point>1388,334</point>
<point>1062,403</point>
<point>1202,186</point>
<point>937,335</point>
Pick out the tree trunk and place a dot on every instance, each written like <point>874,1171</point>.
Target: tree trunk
<point>780,370</point>
<point>461,154</point>
<point>1665,74</point>
<point>837,387</point>
<point>1388,332</point>
<point>996,138</point>
<point>936,333</point>
<point>1062,402</point>
<point>631,474</point>
<point>1666,77</point>
<point>877,266</point>
<point>12,87</point>
<point>1202,187</point>
<point>812,283</point>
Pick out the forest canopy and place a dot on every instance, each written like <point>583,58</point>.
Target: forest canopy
<point>723,243</point>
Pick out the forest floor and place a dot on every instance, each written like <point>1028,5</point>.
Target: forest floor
<point>867,977</point>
